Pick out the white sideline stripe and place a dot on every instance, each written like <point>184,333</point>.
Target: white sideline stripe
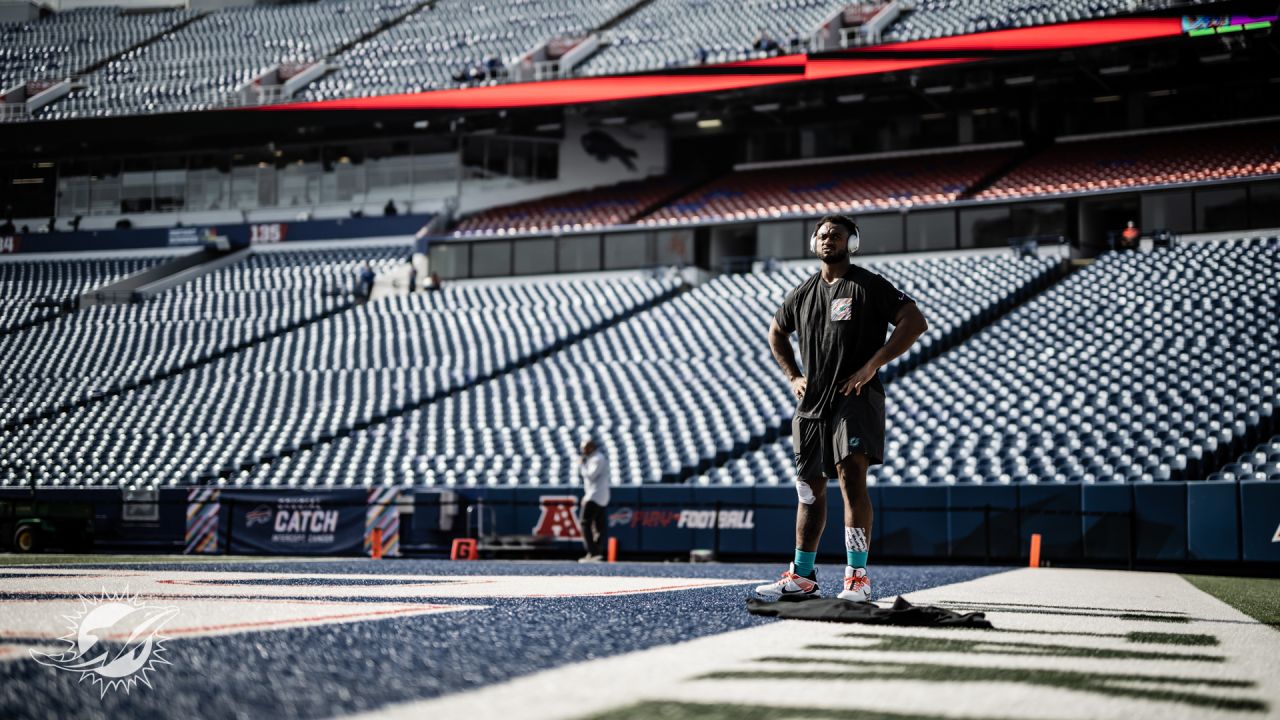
<point>667,673</point>
<point>214,584</point>
<point>10,652</point>
<point>46,619</point>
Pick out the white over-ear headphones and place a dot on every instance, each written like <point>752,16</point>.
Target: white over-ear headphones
<point>855,240</point>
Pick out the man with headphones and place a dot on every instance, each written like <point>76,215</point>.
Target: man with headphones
<point>840,316</point>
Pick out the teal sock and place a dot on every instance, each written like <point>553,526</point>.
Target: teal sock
<point>856,559</point>
<point>804,562</point>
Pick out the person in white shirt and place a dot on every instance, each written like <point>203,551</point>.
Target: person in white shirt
<point>593,468</point>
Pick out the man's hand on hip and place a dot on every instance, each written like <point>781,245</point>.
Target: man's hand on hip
<point>856,381</point>
<point>798,386</point>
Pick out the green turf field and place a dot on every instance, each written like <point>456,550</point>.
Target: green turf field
<point>1259,598</point>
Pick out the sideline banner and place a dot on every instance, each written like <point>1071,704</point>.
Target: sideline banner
<point>294,522</point>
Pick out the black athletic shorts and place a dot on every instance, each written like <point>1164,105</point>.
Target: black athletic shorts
<point>856,426</point>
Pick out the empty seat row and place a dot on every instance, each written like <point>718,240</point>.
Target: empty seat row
<point>99,348</point>
<point>35,289</point>
<point>1163,159</point>
<point>814,189</point>
<point>617,204</point>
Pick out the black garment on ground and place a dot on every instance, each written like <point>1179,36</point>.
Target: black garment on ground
<point>902,613</point>
<point>841,326</point>
<point>593,528</point>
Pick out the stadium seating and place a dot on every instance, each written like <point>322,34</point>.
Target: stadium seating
<point>677,33</point>
<point>64,44</point>
<point>598,207</point>
<point>940,18</point>
<point>1140,368</point>
<point>200,66</point>
<point>32,289</point>
<point>1260,463</point>
<point>105,346</point>
<point>1167,158</point>
<point>808,190</point>
<point>435,47</point>
<point>686,382</point>
<point>311,384</point>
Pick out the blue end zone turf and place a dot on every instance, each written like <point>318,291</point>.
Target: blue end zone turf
<point>326,670</point>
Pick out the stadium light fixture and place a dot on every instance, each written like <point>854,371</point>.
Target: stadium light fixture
<point>421,124</point>
<point>1114,70</point>
<point>687,116</point>
<point>937,90</point>
<point>1106,98</point>
<point>614,121</point>
<point>766,107</point>
<point>709,124</point>
<point>847,99</point>
<point>1020,80</point>
<point>548,127</point>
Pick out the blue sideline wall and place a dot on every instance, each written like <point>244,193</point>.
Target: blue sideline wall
<point>1079,524</point>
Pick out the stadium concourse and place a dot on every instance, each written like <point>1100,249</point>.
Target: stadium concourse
<point>417,638</point>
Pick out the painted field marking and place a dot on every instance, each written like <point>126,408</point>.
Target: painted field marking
<point>1057,653</point>
<point>203,583</point>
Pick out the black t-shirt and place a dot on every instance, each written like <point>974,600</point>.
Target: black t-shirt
<point>841,326</point>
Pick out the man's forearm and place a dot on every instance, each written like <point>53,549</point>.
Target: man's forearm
<point>783,354</point>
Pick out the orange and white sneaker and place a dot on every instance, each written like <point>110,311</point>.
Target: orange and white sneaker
<point>857,586</point>
<point>791,584</point>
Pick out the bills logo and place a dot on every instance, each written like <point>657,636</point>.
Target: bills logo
<point>620,517</point>
<point>260,515</point>
<point>558,519</point>
<point>841,309</point>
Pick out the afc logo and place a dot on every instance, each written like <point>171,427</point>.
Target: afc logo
<point>557,518</point>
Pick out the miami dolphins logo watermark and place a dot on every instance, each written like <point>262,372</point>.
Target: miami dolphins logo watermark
<point>113,642</point>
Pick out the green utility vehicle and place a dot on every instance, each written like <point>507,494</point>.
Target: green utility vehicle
<point>30,525</point>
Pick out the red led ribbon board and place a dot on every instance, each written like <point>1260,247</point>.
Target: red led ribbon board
<point>771,71</point>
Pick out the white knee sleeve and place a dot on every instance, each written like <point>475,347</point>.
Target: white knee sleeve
<point>805,492</point>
